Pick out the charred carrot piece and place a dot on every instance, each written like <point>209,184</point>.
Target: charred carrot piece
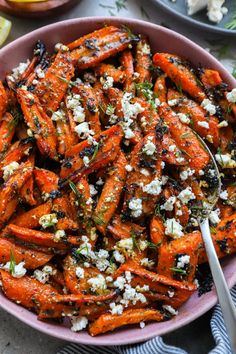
<point>127,63</point>
<point>90,104</point>
<point>157,230</point>
<point>27,192</point>
<point>168,256</point>
<point>32,258</point>
<point>210,78</point>
<point>30,219</point>
<point>47,182</point>
<point>106,70</point>
<point>224,238</point>
<point>143,62</point>
<point>111,193</point>
<point>226,136</point>
<point>93,50</point>
<point>3,100</point>
<point>30,293</point>
<point>7,131</point>
<point>97,156</point>
<point>185,139</point>
<point>149,117</point>
<point>177,70</point>
<point>39,122</point>
<point>108,322</point>
<point>8,190</point>
<point>16,152</point>
<point>154,277</point>
<point>81,199</point>
<point>93,37</point>
<point>52,88</point>
<point>198,117</point>
<point>33,236</point>
<point>160,88</point>
<point>121,230</point>
<point>66,138</point>
<point>81,298</point>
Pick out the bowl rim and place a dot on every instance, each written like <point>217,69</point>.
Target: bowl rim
<point>143,335</point>
<point>192,21</point>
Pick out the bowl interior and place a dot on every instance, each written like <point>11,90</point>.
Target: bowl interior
<point>163,40</point>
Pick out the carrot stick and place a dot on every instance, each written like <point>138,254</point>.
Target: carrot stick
<point>3,100</point>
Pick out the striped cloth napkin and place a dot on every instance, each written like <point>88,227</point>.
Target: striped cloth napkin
<point>157,346</point>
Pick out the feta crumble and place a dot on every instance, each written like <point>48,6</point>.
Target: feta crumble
<point>153,187</point>
<point>135,205</point>
<point>78,323</point>
<point>204,125</point>
<point>169,204</point>
<point>170,309</point>
<point>214,216</point>
<point>183,118</point>
<point>173,228</point>
<point>149,148</point>
<point>79,272</point>
<point>225,160</point>
<point>208,106</point>
<point>116,309</point>
<point>186,195</point>
<point>9,169</point>
<point>48,220</point>
<point>231,96</point>
<point>18,270</point>
<point>182,261</point>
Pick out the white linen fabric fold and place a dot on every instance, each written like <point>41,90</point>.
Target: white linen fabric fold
<point>157,346</point>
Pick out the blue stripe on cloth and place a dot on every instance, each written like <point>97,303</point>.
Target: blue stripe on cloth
<point>156,345</point>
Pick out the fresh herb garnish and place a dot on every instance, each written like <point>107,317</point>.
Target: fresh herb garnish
<point>75,190</point>
<point>134,240</point>
<point>98,220</point>
<point>71,83</point>
<point>178,270</point>
<point>152,245</point>
<point>232,23</point>
<point>186,136</point>
<point>110,109</point>
<point>12,263</point>
<point>95,152</point>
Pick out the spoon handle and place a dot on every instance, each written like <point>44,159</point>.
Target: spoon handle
<point>224,297</point>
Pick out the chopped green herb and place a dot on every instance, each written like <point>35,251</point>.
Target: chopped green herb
<point>121,4</point>
<point>110,109</point>
<point>75,190</point>
<point>178,270</point>
<point>186,136</point>
<point>134,240</point>
<point>71,83</point>
<point>152,245</point>
<point>213,230</point>
<point>179,88</point>
<point>95,152</point>
<point>232,23</point>
<point>12,263</point>
<point>129,32</point>
<point>98,220</point>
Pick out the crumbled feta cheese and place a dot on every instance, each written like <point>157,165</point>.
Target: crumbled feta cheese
<point>224,195</point>
<point>208,106</point>
<point>172,148</point>
<point>61,47</point>
<point>185,174</point>
<point>223,124</point>
<point>118,256</point>
<point>145,262</point>
<point>48,220</point>
<point>73,103</point>
<point>107,82</point>
<point>144,172</point>
<point>83,130</point>
<point>214,216</point>
<point>18,71</point>
<point>9,169</point>
<point>143,244</point>
<point>183,118</point>
<point>79,272</point>
<point>131,295</point>
<point>169,204</point>
<point>153,187</point>
<point>225,160</point>
<point>18,270</point>
<point>78,323</point>
<point>58,115</point>
<point>43,275</point>
<point>130,111</point>
<point>86,161</point>
<point>128,168</point>
<point>116,309</point>
<point>171,293</point>
<point>40,73</point>
<point>146,49</point>
<point>173,102</point>
<point>173,228</point>
<point>29,132</point>
<point>59,235</point>
<point>204,125</point>
<point>195,5</point>
<point>149,148</point>
<point>99,182</point>
<point>186,195</point>
<point>215,11</point>
<point>125,244</point>
<point>231,96</point>
<point>120,283</point>
<point>142,324</point>
<point>157,102</point>
<point>170,309</point>
<point>97,283</point>
<point>135,205</point>
<point>182,261</point>
<point>93,190</point>
<point>201,173</point>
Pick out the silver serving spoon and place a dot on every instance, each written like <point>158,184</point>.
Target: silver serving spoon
<point>227,306</point>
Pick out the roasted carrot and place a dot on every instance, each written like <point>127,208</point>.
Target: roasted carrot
<point>7,131</point>
<point>105,70</point>
<point>31,218</point>
<point>143,62</point>
<point>47,182</point>
<point>109,322</point>
<point>178,71</point>
<point>120,230</point>
<point>157,229</point>
<point>39,122</point>
<point>126,60</point>
<point>52,88</point>
<point>32,258</point>
<point>3,100</point>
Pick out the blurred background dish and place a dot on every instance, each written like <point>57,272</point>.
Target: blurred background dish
<point>178,9</point>
<point>35,8</point>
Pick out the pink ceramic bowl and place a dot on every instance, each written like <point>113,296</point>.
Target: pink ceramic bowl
<point>161,39</point>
